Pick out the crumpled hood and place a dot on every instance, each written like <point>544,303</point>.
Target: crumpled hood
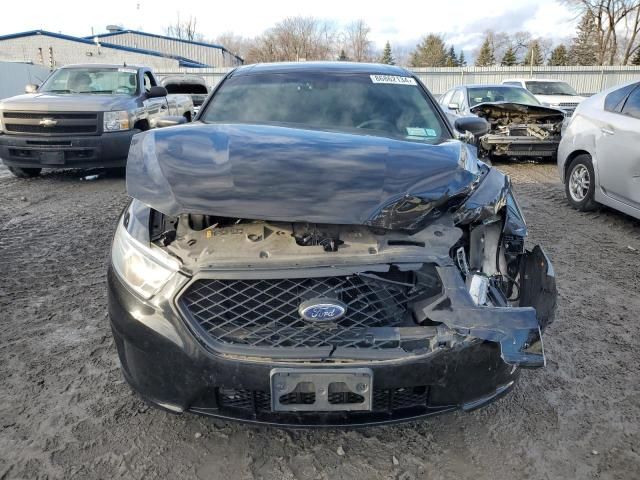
<point>51,102</point>
<point>533,112</point>
<point>287,174</point>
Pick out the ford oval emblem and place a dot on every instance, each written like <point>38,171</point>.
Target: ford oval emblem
<point>322,310</point>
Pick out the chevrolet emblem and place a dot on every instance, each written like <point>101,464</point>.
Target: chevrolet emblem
<point>48,122</point>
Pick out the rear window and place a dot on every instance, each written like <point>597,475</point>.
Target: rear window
<point>632,104</point>
<point>355,103</point>
<point>550,88</point>
<point>186,88</point>
<point>612,102</point>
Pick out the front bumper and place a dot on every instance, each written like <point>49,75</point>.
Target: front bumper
<point>107,150</point>
<point>518,146</point>
<point>164,361</point>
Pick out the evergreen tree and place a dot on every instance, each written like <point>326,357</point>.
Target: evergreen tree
<point>533,55</point>
<point>452,58</point>
<point>462,62</point>
<point>509,58</point>
<point>387,56</point>
<point>583,47</point>
<point>636,58</point>
<point>559,57</point>
<point>343,56</point>
<point>486,56</point>
<point>430,52</point>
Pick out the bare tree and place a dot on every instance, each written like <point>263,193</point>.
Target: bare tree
<point>184,29</point>
<point>614,22</point>
<point>294,39</point>
<point>236,44</point>
<point>632,26</point>
<point>359,47</point>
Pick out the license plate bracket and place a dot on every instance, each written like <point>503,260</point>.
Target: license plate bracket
<point>321,389</point>
<point>52,158</point>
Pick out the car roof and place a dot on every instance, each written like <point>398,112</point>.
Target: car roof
<point>99,65</point>
<point>322,67</point>
<point>533,80</point>
<point>487,85</point>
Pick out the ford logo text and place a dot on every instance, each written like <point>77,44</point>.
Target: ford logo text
<point>322,310</point>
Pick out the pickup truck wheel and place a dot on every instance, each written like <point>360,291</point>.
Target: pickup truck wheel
<point>579,186</point>
<point>25,172</point>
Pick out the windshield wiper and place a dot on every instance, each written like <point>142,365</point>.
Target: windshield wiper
<point>57,91</point>
<point>96,91</point>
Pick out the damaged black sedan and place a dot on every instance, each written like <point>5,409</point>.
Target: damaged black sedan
<point>318,249</point>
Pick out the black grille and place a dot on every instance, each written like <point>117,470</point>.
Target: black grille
<point>264,313</point>
<point>54,116</point>
<point>66,123</point>
<point>12,127</point>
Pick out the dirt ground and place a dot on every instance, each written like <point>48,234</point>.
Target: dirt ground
<point>65,411</point>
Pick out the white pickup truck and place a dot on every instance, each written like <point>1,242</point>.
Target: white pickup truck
<point>83,116</point>
<point>550,93</point>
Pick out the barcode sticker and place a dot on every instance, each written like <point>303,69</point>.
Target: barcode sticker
<point>393,79</point>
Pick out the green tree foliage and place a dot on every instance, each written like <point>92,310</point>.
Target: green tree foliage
<point>462,62</point>
<point>559,56</point>
<point>509,57</point>
<point>533,55</point>
<point>584,45</point>
<point>452,58</point>
<point>486,56</point>
<point>430,52</point>
<point>343,56</point>
<point>387,56</point>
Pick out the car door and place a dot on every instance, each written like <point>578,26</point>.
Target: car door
<point>156,108</point>
<point>618,151</point>
<point>444,103</point>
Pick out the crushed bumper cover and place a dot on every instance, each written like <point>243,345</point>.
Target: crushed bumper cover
<point>167,365</point>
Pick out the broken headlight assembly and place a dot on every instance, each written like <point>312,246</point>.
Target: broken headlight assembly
<point>116,121</point>
<point>143,269</point>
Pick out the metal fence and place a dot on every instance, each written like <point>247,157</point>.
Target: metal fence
<point>586,80</point>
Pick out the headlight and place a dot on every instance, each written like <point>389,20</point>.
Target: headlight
<point>142,268</point>
<point>116,121</point>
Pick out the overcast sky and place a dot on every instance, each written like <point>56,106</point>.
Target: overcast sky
<point>402,23</point>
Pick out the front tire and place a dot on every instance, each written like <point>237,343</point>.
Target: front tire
<point>580,184</point>
<point>25,172</point>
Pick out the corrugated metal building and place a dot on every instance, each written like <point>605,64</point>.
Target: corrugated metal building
<point>52,50</point>
<point>210,54</point>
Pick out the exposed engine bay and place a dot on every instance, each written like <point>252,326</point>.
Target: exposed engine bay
<point>519,130</point>
<point>465,275</point>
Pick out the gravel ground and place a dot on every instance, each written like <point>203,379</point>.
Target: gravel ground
<point>65,411</point>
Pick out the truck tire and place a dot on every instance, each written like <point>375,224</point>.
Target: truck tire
<point>25,172</point>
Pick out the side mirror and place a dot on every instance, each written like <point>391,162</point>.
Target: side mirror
<point>31,88</point>
<point>474,125</point>
<point>170,121</point>
<point>157,91</point>
<point>453,106</point>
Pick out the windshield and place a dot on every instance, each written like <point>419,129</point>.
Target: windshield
<point>355,103</point>
<point>108,81</point>
<point>550,88</point>
<point>500,94</point>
